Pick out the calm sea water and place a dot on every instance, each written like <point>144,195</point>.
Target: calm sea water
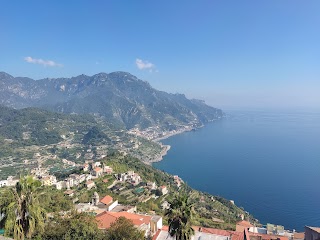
<point>267,162</point>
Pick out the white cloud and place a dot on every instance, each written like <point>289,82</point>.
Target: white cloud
<point>142,65</point>
<point>46,63</point>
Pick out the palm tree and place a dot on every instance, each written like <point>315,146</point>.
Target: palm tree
<point>180,215</point>
<point>20,211</point>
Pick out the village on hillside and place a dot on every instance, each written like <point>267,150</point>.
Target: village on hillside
<point>129,185</point>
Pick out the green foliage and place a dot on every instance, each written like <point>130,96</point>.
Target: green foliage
<point>32,126</point>
<point>75,226</point>
<point>123,229</point>
<point>23,213</point>
<point>95,136</point>
<point>210,211</point>
<point>148,173</point>
<point>55,201</point>
<point>180,215</point>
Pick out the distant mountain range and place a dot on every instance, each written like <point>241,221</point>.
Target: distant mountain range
<point>119,97</point>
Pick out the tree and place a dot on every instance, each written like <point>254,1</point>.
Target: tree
<point>22,213</point>
<point>180,215</point>
<point>78,226</point>
<point>123,229</point>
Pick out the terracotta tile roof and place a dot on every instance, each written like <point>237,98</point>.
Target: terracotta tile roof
<point>98,169</point>
<point>237,236</point>
<point>245,224</point>
<point>298,235</point>
<point>156,235</point>
<point>137,219</point>
<point>234,235</point>
<point>165,228</point>
<point>105,180</point>
<point>106,218</point>
<point>89,182</point>
<point>268,236</point>
<point>107,200</point>
<point>213,231</point>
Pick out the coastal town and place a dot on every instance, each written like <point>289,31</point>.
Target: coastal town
<point>129,186</point>
<point>71,152</point>
<point>85,172</point>
<point>90,173</point>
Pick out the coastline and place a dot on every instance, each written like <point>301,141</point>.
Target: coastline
<point>159,157</point>
<point>166,148</point>
<point>173,134</point>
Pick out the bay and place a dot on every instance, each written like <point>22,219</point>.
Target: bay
<point>266,161</point>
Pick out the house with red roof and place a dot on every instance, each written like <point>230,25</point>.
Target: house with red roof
<point>108,202</point>
<point>146,223</point>
<point>97,171</point>
<point>203,234</point>
<point>242,225</point>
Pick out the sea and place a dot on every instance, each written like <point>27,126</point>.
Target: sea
<point>267,161</point>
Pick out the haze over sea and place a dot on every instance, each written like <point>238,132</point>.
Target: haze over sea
<point>266,161</point>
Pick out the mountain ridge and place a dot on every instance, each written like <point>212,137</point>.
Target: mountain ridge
<point>120,97</point>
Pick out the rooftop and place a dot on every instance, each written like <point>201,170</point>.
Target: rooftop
<point>203,234</point>
<point>245,224</point>
<point>105,219</point>
<point>316,229</point>
<point>298,235</point>
<point>106,200</point>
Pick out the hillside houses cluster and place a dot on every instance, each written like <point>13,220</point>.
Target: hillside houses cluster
<point>108,210</point>
<point>130,177</point>
<point>91,171</point>
<point>244,231</point>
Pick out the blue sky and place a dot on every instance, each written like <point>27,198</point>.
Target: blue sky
<point>260,54</point>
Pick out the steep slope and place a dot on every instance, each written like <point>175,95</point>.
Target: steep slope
<point>32,126</point>
<point>119,97</point>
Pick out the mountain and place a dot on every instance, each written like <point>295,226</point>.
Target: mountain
<point>120,97</point>
<point>32,136</point>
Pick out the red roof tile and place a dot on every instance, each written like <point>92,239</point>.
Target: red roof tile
<point>156,235</point>
<point>107,200</point>
<point>298,235</point>
<point>245,224</point>
<point>215,231</point>
<point>106,218</point>
<point>165,228</point>
<point>268,236</point>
